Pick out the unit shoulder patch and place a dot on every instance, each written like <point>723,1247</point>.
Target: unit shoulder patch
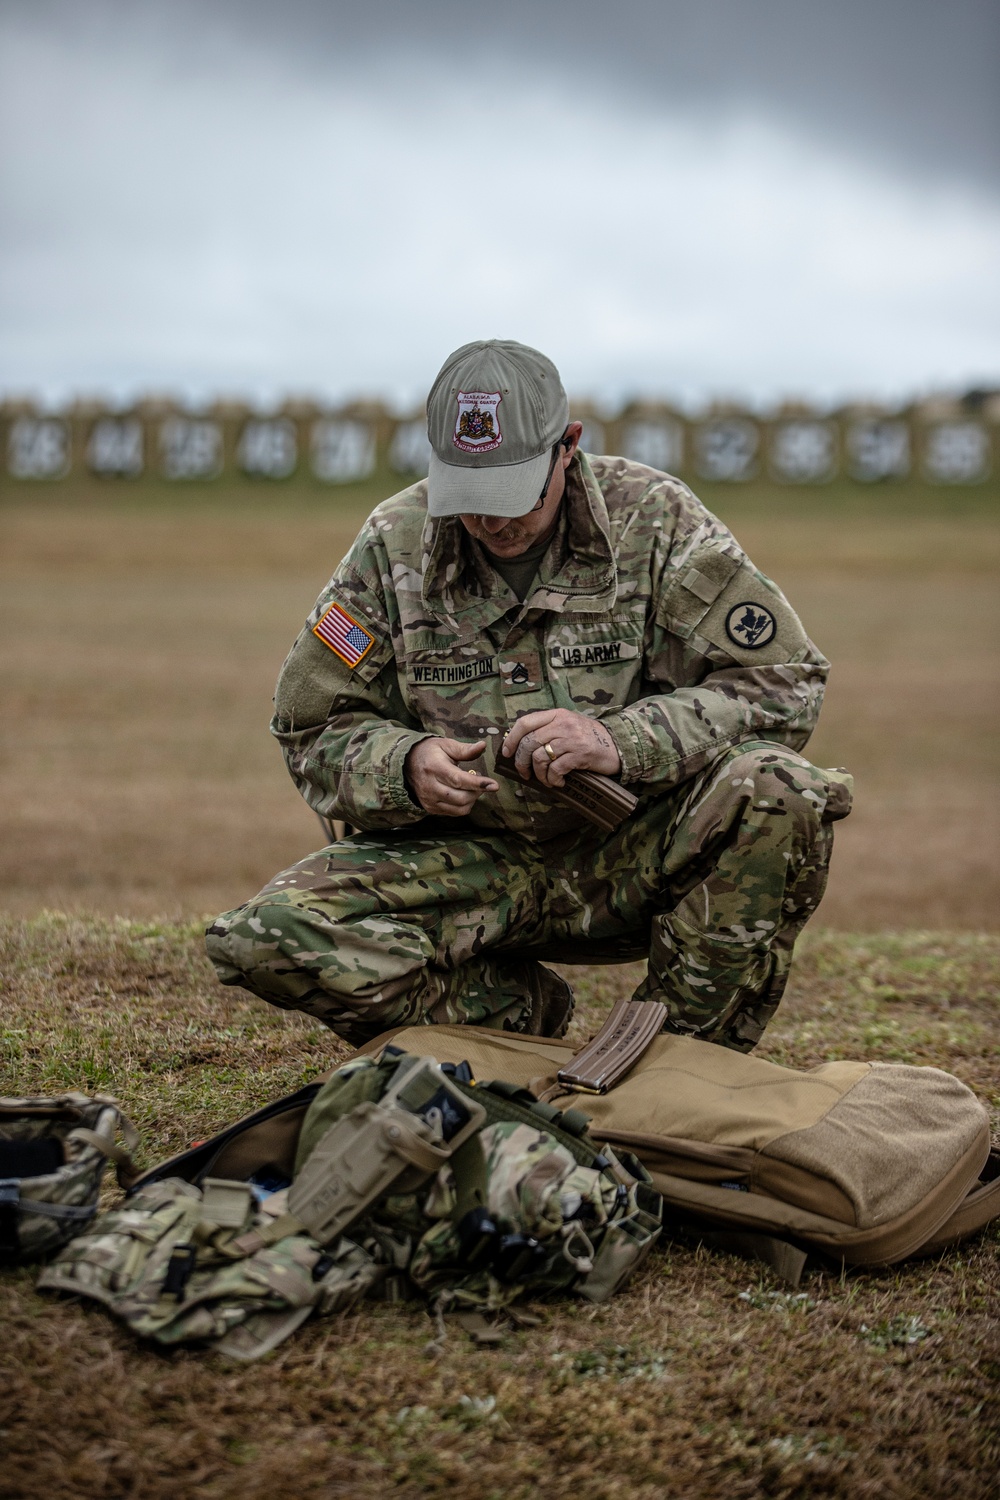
<point>750,625</point>
<point>344,635</point>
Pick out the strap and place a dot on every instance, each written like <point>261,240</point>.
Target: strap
<point>617,1047</point>
<point>125,1166</point>
<point>10,1240</point>
<point>66,1211</point>
<point>266,1234</point>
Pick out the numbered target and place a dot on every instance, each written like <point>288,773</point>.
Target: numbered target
<point>410,449</point>
<point>803,451</point>
<point>657,444</point>
<point>190,448</point>
<point>878,449</point>
<point>956,453</point>
<point>268,448</point>
<point>726,448</point>
<point>592,438</point>
<point>115,447</point>
<point>38,448</point>
<point>342,450</point>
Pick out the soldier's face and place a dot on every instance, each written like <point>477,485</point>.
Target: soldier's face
<point>510,537</point>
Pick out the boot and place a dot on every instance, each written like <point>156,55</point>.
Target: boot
<point>551,1002</point>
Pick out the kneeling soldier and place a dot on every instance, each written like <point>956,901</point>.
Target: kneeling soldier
<point>572,613</point>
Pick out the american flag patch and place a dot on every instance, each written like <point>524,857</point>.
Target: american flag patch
<point>343,635</point>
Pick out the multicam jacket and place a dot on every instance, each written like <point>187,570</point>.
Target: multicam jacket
<point>645,613</point>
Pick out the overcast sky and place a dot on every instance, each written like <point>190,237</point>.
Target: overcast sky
<point>754,198</point>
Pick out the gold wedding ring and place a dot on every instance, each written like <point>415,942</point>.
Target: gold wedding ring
<point>549,750</point>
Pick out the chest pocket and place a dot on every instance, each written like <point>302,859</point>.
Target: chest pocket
<point>451,689</point>
<point>596,666</point>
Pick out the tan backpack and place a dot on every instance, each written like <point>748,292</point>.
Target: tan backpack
<point>864,1162</point>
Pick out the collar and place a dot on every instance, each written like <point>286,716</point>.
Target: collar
<point>577,573</point>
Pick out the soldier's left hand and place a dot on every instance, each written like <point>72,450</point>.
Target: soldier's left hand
<point>555,741</point>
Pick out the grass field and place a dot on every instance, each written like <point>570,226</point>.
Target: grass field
<point>143,629</point>
<point>142,635</point>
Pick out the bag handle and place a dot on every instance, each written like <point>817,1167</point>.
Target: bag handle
<point>125,1168</point>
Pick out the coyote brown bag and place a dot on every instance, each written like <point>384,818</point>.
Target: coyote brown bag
<point>865,1162</point>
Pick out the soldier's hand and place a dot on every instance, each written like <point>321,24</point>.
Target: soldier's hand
<point>555,741</point>
<point>440,782</point>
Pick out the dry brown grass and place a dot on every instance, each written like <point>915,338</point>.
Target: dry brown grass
<point>141,643</point>
<point>706,1378</point>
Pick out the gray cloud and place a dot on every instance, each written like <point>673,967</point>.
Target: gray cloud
<point>754,197</point>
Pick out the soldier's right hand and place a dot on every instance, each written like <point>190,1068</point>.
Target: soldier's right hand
<point>438,779</point>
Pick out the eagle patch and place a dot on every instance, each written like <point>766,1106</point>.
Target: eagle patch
<point>750,625</point>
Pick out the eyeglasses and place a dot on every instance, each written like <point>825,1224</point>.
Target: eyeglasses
<point>562,443</point>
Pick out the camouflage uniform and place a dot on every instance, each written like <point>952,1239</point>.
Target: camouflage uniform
<point>646,614</point>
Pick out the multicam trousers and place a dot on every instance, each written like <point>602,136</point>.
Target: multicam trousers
<point>718,875</point>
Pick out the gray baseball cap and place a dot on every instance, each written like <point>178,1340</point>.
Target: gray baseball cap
<point>494,414</point>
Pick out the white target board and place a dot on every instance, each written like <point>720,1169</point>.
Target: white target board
<point>268,448</point>
<point>190,448</point>
<point>659,444</point>
<point>726,448</point>
<point>956,452</point>
<point>878,448</point>
<point>115,447</point>
<point>38,448</point>
<point>342,449</point>
<point>410,449</point>
<point>803,451</point>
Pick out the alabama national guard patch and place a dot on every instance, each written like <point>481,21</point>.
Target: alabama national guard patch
<point>750,626</point>
<point>477,426</point>
<point>344,635</point>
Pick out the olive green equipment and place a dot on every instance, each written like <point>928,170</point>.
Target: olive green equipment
<point>394,1143</point>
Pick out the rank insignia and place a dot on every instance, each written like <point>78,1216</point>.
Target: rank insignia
<point>750,626</point>
<point>344,636</point>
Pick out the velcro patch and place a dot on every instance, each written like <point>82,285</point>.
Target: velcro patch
<point>344,636</point>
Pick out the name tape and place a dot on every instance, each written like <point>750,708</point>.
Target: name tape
<point>423,675</point>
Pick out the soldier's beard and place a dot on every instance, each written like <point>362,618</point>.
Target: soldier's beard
<point>511,540</point>
<point>513,534</point>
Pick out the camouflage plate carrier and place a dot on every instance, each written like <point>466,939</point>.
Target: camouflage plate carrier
<point>396,1177</point>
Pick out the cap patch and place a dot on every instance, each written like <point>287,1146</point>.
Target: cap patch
<point>750,625</point>
<point>344,635</point>
<point>477,426</point>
